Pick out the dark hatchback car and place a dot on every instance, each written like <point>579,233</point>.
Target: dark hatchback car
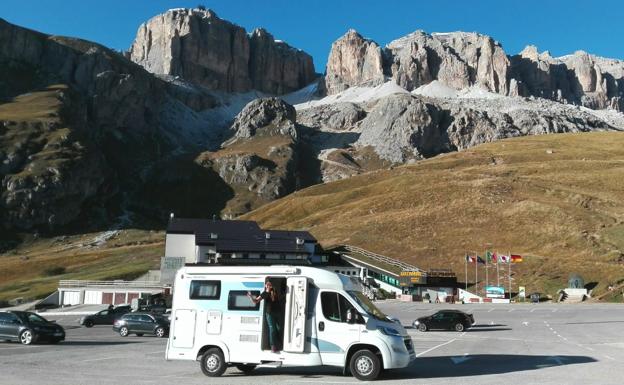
<point>104,317</point>
<point>27,328</point>
<point>142,323</point>
<point>445,319</point>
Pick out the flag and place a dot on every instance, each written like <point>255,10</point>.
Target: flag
<point>494,257</point>
<point>516,258</point>
<point>504,258</point>
<point>470,259</point>
<point>488,256</point>
<point>480,260</point>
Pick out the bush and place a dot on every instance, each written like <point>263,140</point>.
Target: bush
<point>56,270</point>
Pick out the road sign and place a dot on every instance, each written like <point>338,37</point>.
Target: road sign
<point>495,292</point>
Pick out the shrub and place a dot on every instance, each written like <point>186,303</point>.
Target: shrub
<point>56,270</point>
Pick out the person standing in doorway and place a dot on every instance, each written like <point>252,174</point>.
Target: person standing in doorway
<point>271,307</point>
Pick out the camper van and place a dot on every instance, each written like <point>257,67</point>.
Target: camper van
<point>323,320</point>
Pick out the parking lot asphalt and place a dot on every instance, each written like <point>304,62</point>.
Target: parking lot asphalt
<point>509,343</point>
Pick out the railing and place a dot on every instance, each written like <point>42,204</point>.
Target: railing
<point>136,284</point>
<point>382,258</point>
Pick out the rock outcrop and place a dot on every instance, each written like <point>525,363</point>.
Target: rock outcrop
<point>457,59</point>
<point>200,47</point>
<point>353,60</point>
<point>580,78</point>
<point>92,136</point>
<point>260,161</point>
<point>460,60</point>
<point>265,116</point>
<point>403,126</point>
<point>338,116</point>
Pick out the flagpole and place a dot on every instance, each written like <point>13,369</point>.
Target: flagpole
<point>466,268</point>
<point>509,275</point>
<point>486,274</point>
<point>497,276</point>
<point>476,274</point>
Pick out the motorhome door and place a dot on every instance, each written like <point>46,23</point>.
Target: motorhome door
<point>295,317</point>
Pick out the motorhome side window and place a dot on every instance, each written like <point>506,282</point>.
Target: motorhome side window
<point>335,306</point>
<point>205,290</point>
<point>238,300</point>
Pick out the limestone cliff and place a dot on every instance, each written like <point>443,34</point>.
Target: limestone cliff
<point>202,48</point>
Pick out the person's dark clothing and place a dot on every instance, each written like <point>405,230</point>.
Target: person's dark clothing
<point>272,307</point>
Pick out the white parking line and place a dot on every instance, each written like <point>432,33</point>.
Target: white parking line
<point>435,347</point>
<point>490,310</point>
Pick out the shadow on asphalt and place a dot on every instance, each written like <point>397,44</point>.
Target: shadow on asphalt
<point>490,329</point>
<point>487,326</point>
<point>480,364</point>
<point>98,343</point>
<point>435,367</point>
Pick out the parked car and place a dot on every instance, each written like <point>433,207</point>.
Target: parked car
<point>27,327</point>
<point>104,317</point>
<point>141,323</point>
<point>445,319</point>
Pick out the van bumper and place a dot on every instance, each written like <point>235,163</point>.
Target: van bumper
<point>401,355</point>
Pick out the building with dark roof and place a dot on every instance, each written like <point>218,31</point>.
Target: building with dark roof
<point>235,242</point>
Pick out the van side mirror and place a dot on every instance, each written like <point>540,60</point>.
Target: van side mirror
<point>352,316</point>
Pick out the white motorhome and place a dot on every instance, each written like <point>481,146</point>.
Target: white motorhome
<point>325,320</point>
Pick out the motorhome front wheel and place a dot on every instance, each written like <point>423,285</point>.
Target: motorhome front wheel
<point>365,365</point>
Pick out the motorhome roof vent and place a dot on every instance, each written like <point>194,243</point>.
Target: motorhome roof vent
<point>214,235</point>
<point>267,235</point>
<point>300,241</point>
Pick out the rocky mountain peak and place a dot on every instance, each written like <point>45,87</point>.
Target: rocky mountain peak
<point>353,60</point>
<point>265,116</point>
<point>198,46</point>
<point>460,60</point>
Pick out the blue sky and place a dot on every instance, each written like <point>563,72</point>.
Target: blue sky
<point>558,26</point>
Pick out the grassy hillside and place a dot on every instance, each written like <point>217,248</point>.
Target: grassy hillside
<point>556,199</point>
<point>34,267</point>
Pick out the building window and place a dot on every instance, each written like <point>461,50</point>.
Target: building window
<point>238,300</point>
<point>245,255</point>
<point>262,256</point>
<point>205,290</point>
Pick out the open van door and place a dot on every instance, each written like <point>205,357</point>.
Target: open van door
<point>295,317</point>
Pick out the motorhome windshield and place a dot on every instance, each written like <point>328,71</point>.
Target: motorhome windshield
<point>368,306</point>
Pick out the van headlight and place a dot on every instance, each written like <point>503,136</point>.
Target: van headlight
<point>389,331</point>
